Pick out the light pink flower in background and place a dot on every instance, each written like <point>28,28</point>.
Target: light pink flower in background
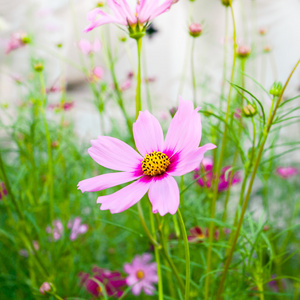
<point>286,172</point>
<point>45,288</point>
<point>17,40</point>
<point>126,85</point>
<point>88,48</point>
<point>153,168</point>
<point>62,106</point>
<point>123,14</point>
<point>57,230</point>
<point>77,228</point>
<point>142,274</point>
<point>96,74</point>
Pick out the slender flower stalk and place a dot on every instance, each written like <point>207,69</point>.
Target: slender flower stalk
<point>219,166</point>
<point>138,87</point>
<point>193,71</point>
<point>247,197</point>
<point>187,256</point>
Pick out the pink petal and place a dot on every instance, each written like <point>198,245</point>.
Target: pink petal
<point>125,197</point>
<point>148,134</point>
<point>114,154</point>
<point>137,288</point>
<point>151,12</point>
<point>184,133</point>
<point>164,195</point>
<point>83,228</point>
<point>106,181</point>
<point>127,10</point>
<point>186,162</point>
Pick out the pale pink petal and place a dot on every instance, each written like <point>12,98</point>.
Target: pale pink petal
<point>184,133</point>
<point>148,288</point>
<point>186,162</point>
<point>128,268</point>
<point>137,288</point>
<point>83,228</point>
<point>148,134</point>
<point>129,13</point>
<point>117,9</point>
<point>106,181</point>
<point>125,197</point>
<point>114,154</point>
<point>150,12</point>
<point>97,45</point>
<point>164,195</point>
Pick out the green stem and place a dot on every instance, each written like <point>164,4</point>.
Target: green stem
<point>218,171</point>
<point>187,256</point>
<point>49,150</point>
<point>138,103</point>
<point>149,104</point>
<point>193,71</point>
<point>166,254</point>
<point>257,161</point>
<point>157,258</point>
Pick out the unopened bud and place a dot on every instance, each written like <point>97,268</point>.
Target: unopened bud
<point>226,2</point>
<point>100,4</point>
<point>267,49</point>
<point>243,51</point>
<point>46,288</point>
<point>25,39</point>
<point>195,29</point>
<point>123,38</point>
<point>262,31</point>
<point>55,144</point>
<point>249,110</point>
<point>276,89</point>
<point>38,67</point>
<point>173,111</point>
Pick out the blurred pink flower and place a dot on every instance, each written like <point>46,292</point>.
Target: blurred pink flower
<point>88,48</point>
<point>122,13</point>
<point>3,191</point>
<point>237,113</point>
<point>286,172</point>
<point>207,164</point>
<point>96,74</point>
<point>197,235</point>
<point>62,106</point>
<point>77,228</point>
<point>142,274</point>
<point>54,89</point>
<point>126,85</point>
<point>153,169</point>
<point>113,282</point>
<point>45,288</point>
<point>56,231</point>
<point>17,40</point>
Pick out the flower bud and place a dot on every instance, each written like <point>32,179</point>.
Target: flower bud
<point>38,67</point>
<point>267,49</point>
<point>243,51</point>
<point>195,29</point>
<point>100,4</point>
<point>123,38</point>
<point>276,89</point>
<point>46,288</point>
<point>226,2</point>
<point>262,31</point>
<point>249,110</point>
<point>173,111</point>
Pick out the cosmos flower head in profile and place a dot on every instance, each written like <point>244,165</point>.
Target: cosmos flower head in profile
<point>132,13</point>
<point>151,168</point>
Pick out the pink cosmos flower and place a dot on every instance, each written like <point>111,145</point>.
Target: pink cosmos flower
<point>96,74</point>
<point>57,230</point>
<point>153,168</point>
<point>3,191</point>
<point>286,172</point>
<point>76,228</point>
<point>123,14</point>
<point>88,48</point>
<point>113,282</point>
<point>17,40</point>
<point>126,85</point>
<point>142,274</point>
<point>45,288</point>
<point>197,235</point>
<point>207,164</point>
<point>62,106</point>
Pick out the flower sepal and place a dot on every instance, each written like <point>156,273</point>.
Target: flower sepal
<point>137,31</point>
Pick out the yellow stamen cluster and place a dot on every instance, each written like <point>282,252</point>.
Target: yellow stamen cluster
<point>140,274</point>
<point>155,163</point>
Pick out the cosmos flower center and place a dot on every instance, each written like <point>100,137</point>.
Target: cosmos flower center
<point>140,274</point>
<point>155,163</point>
<point>99,289</point>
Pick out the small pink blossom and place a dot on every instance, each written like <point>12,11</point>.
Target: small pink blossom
<point>88,48</point>
<point>142,274</point>
<point>96,74</point>
<point>286,172</point>
<point>113,282</point>
<point>77,228</point>
<point>153,168</point>
<point>3,191</point>
<point>45,288</point>
<point>207,164</point>
<point>54,89</point>
<point>243,51</point>
<point>62,106</point>
<point>17,40</point>
<point>195,29</point>
<point>197,235</point>
<point>237,113</point>
<point>126,85</point>
<point>57,230</point>
<point>144,12</point>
